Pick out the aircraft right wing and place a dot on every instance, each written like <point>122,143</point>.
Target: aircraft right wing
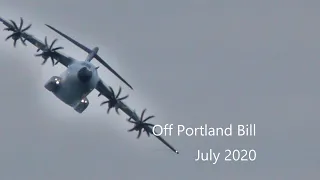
<point>48,50</point>
<point>109,93</point>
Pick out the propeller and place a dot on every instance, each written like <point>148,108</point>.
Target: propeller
<point>17,32</point>
<point>141,124</point>
<point>113,100</point>
<point>48,51</point>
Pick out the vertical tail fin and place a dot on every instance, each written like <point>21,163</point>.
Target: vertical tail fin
<point>92,54</point>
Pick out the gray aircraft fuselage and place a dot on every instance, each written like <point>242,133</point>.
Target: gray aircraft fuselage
<point>74,84</point>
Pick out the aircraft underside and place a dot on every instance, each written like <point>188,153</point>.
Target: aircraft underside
<point>71,93</point>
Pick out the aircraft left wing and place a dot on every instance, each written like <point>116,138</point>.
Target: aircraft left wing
<point>108,93</point>
<point>20,33</point>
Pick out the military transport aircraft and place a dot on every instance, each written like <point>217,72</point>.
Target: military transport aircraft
<point>81,77</point>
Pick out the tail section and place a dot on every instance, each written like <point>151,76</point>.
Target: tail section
<point>92,54</point>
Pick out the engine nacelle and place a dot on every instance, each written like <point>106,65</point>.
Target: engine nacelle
<point>53,84</point>
<point>82,105</point>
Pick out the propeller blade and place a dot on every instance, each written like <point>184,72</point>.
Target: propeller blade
<point>132,129</point>
<point>54,41</point>
<point>44,61</point>
<point>21,23</point>
<point>148,118</point>
<point>118,92</point>
<point>57,48</point>
<point>108,110</point>
<point>142,114</point>
<point>130,120</point>
<point>52,60</point>
<point>111,91</point>
<point>139,134</point>
<point>125,97</point>
<point>117,111</point>
<point>148,124</point>
<point>38,54</point>
<point>46,41</point>
<point>26,28</point>
<point>148,133</point>
<point>10,36</point>
<point>104,102</point>
<point>14,25</point>
<point>23,42</point>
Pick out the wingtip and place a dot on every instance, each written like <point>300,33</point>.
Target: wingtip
<point>129,86</point>
<point>48,26</point>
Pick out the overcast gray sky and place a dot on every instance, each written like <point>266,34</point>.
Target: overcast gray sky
<point>191,63</point>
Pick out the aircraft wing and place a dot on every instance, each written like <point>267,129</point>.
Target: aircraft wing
<point>66,61</point>
<point>105,91</point>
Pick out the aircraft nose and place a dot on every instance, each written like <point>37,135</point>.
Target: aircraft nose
<point>84,74</point>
